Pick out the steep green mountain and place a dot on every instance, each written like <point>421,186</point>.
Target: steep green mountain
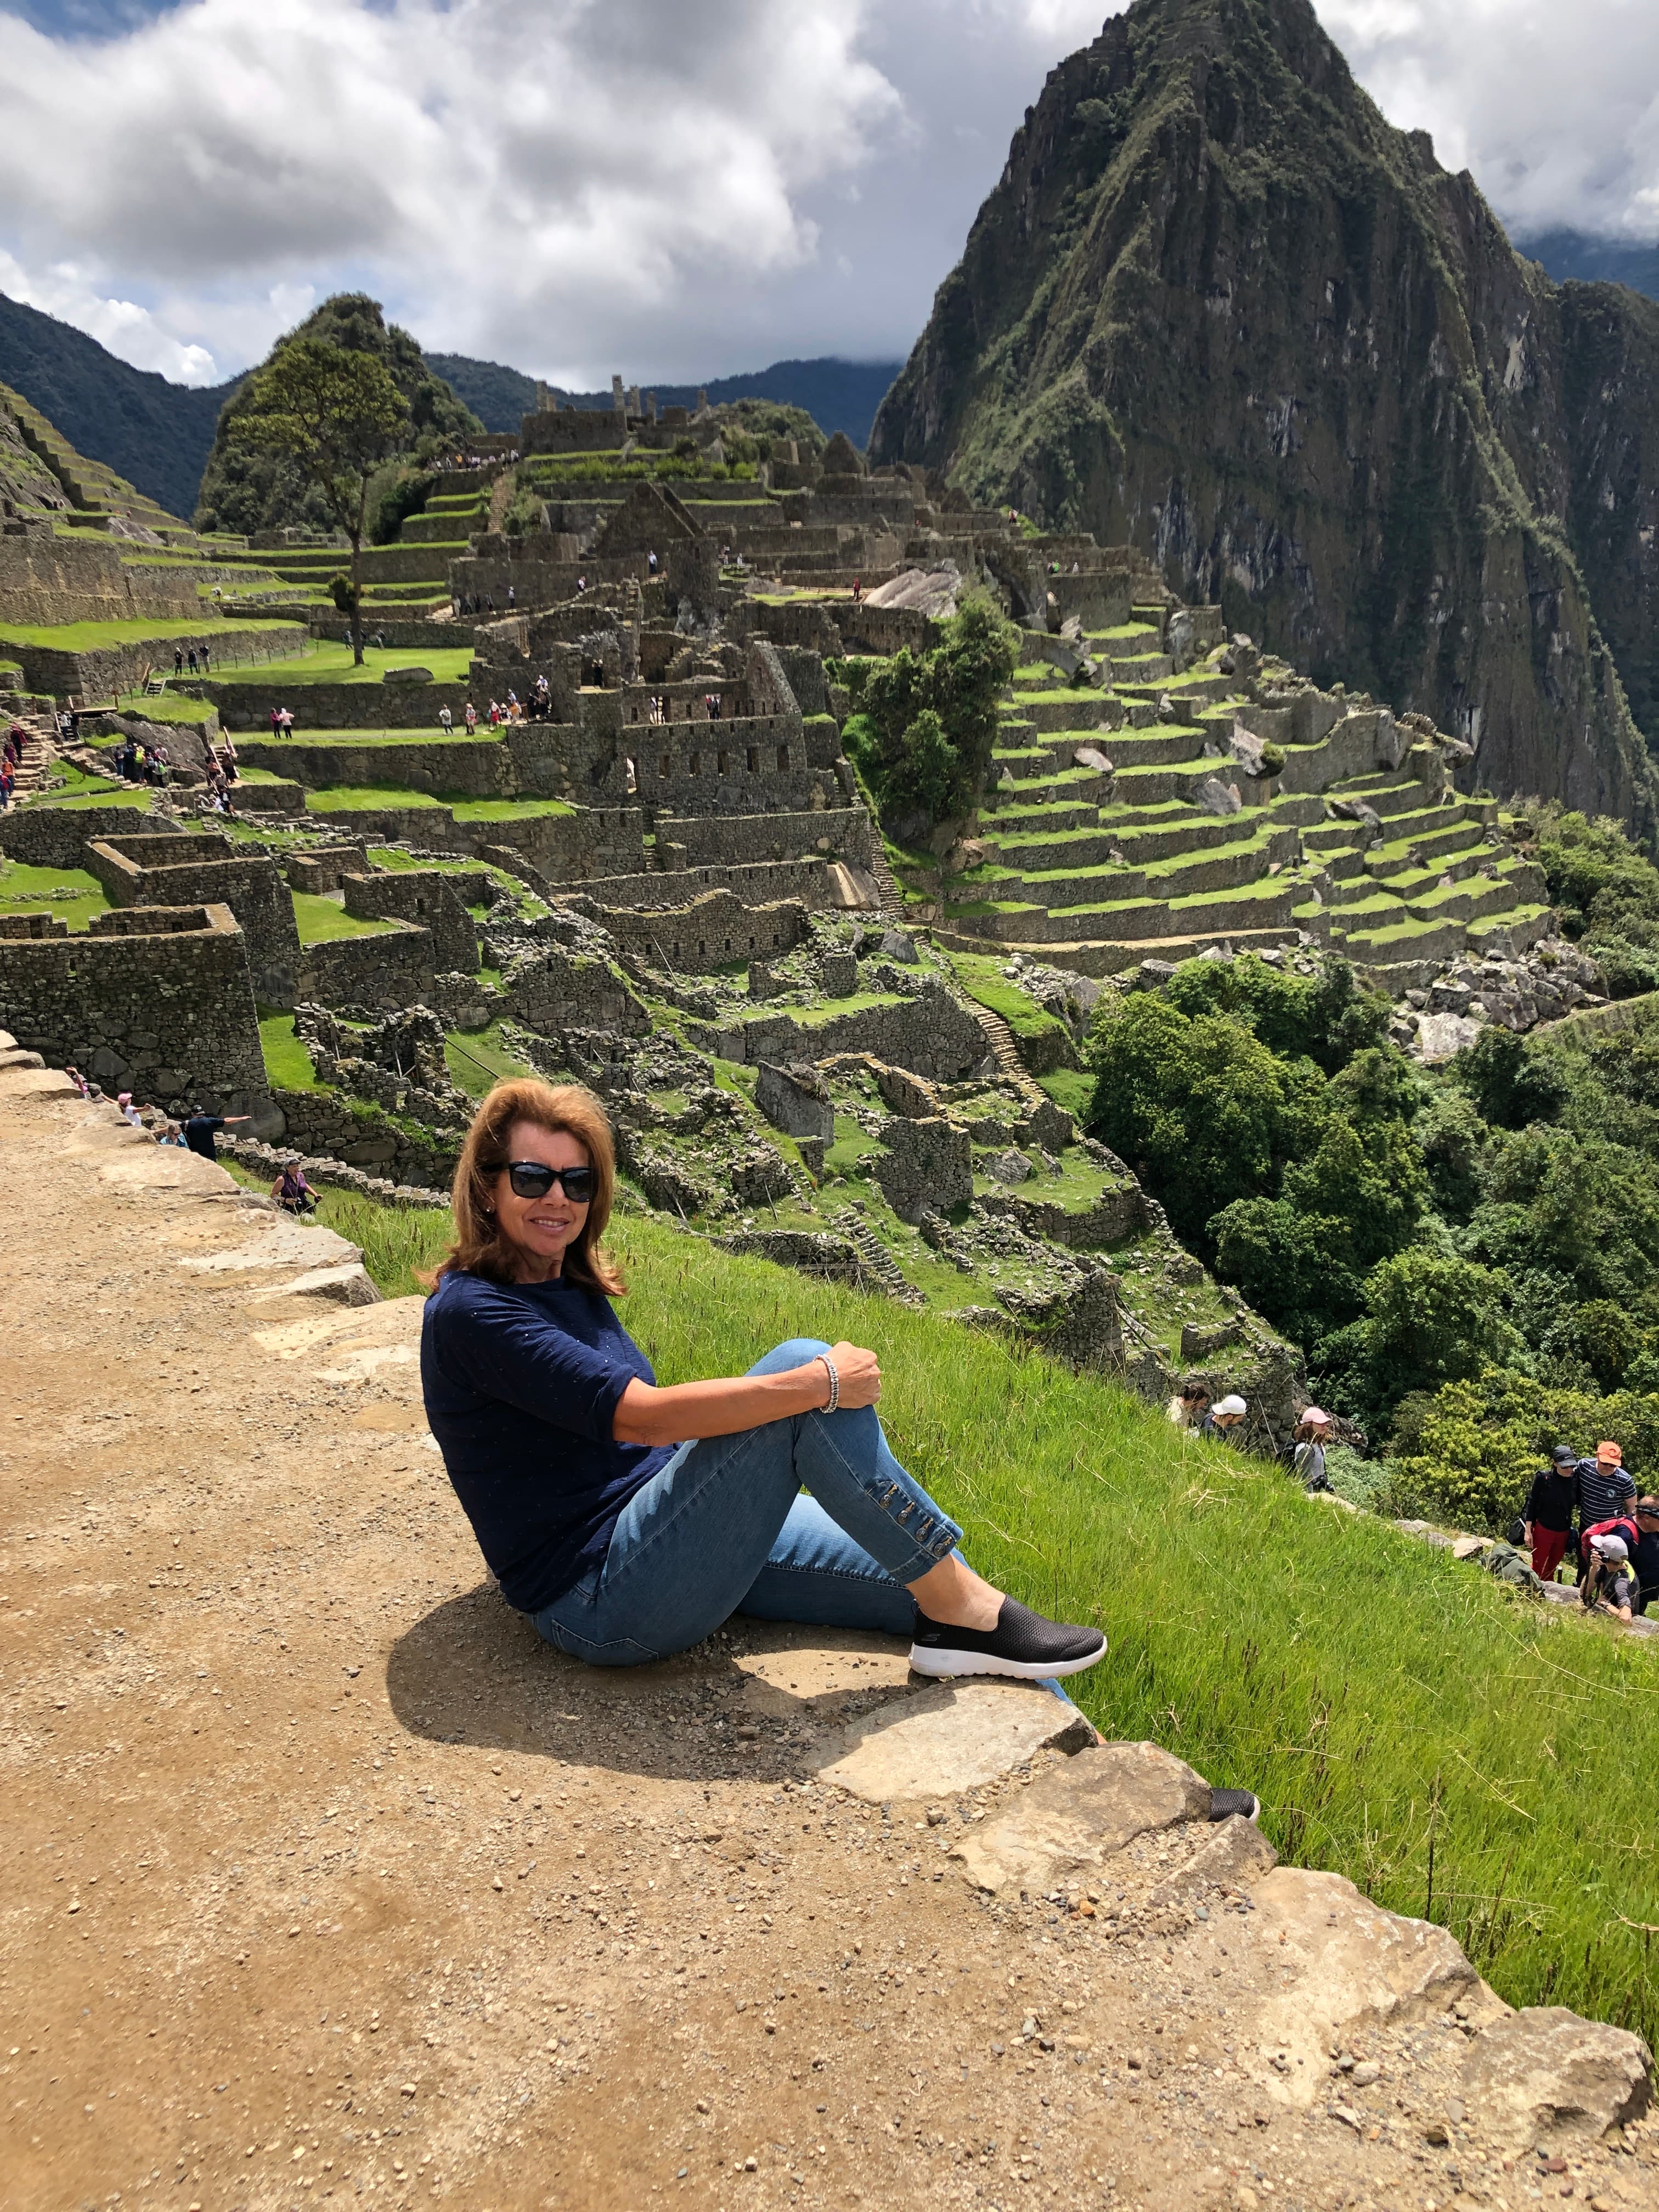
<point>154,433</point>
<point>497,395</point>
<point>247,490</point>
<point>1218,305</point>
<point>839,395</point>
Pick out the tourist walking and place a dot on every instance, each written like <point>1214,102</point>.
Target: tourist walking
<point>1308,1460</point>
<point>178,660</point>
<point>628,1520</point>
<point>1224,1419</point>
<point>446,720</point>
<point>1546,1516</point>
<point>472,720</point>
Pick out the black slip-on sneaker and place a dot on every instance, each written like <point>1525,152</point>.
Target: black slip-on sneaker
<point>1225,1803</point>
<point>1023,1643</point>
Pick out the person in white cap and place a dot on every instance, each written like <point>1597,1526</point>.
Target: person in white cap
<point>1224,1419</point>
<point>1609,1587</point>
<point>1313,1433</point>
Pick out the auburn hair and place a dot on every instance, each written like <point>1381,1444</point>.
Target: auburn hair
<point>479,1248</point>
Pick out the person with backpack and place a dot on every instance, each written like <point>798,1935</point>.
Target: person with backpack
<point>1608,1585</point>
<point>1606,1489</point>
<point>1308,1460</point>
<point>1546,1516</point>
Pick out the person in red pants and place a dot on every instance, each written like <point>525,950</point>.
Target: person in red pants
<point>1548,1511</point>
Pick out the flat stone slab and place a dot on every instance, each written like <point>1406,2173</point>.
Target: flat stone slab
<point>949,1737</point>
<point>1074,1817</point>
<point>348,1285</point>
<point>1543,2074</point>
<point>281,1244</point>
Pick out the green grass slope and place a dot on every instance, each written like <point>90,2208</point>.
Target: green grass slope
<point>1384,1700</point>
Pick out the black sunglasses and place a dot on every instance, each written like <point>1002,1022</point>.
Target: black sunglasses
<point>530,1179</point>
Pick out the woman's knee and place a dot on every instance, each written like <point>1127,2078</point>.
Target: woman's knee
<point>794,1352</point>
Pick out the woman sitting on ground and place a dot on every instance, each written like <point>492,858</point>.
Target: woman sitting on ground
<point>629,1520</point>
<point>291,1191</point>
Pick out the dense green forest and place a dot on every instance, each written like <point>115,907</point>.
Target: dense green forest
<point>1470,1257</point>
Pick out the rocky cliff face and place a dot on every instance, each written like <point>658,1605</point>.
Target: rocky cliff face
<point>1216,304</point>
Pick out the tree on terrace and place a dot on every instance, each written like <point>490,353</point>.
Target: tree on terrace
<point>337,414</point>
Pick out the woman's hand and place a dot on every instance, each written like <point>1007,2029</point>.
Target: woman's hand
<point>859,1372</point>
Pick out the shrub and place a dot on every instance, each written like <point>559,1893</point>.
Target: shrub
<point>1273,759</point>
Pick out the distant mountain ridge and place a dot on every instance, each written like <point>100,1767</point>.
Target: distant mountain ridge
<point>839,395</point>
<point>1219,307</point>
<point>1573,256</point>
<point>155,433</point>
<point>159,435</point>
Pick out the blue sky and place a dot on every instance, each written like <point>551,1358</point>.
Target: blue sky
<point>672,188</point>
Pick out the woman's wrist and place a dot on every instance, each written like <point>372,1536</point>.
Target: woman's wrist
<point>829,1366</point>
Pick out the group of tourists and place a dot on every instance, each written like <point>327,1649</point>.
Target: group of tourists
<point>1223,1422</point>
<point>1615,1559</point>
<point>282,721</point>
<point>197,659</point>
<point>143,761</point>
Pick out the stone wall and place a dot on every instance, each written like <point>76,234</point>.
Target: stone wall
<point>461,767</point>
<point>426,897</point>
<point>732,840</point>
<point>558,990</point>
<point>168,1015</point>
<point>332,706</point>
<point>111,669</point>
<point>929,1034</point>
<point>393,967</point>
<point>823,885</point>
<point>324,1123</point>
<point>46,580</point>
<point>137,870</point>
<point>716,929</point>
<point>56,836</point>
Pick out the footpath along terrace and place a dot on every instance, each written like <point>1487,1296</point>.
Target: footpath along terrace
<point>325,1879</point>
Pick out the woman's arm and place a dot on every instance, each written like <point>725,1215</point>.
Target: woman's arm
<point>648,1415</point>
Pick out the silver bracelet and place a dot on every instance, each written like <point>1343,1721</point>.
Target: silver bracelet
<point>834,1382</point>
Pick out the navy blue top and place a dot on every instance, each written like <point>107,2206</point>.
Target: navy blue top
<point>521,1381</point>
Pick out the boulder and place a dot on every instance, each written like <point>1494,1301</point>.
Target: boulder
<point>1009,1167</point>
<point>1545,2074</point>
<point>407,675</point>
<point>1091,756</point>
<point>1218,797</point>
<point>899,945</point>
<point>1074,1817</point>
<point>1331,1961</point>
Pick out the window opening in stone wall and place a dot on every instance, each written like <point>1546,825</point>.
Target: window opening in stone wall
<point>697,763</point>
<point>720,763</point>
<point>703,947</point>
<point>665,767</point>
<point>783,757</point>
<point>633,780</point>
<point>754,760</point>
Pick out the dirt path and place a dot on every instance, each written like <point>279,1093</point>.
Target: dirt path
<point>327,1880</point>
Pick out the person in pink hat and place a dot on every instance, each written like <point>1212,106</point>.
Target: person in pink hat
<point>1313,1433</point>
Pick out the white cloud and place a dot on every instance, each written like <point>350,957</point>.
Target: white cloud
<point>1554,110</point>
<point>673,190</point>
<point>125,328</point>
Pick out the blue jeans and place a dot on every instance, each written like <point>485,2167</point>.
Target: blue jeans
<point>722,1528</point>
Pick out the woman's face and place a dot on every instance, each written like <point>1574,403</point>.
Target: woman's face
<point>540,1230</point>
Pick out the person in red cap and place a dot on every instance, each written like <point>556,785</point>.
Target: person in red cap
<point>1606,1488</point>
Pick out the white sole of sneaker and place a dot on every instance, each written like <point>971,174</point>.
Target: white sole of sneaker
<point>977,1663</point>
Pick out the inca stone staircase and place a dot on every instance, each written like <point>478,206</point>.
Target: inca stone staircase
<point>1105,846</point>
